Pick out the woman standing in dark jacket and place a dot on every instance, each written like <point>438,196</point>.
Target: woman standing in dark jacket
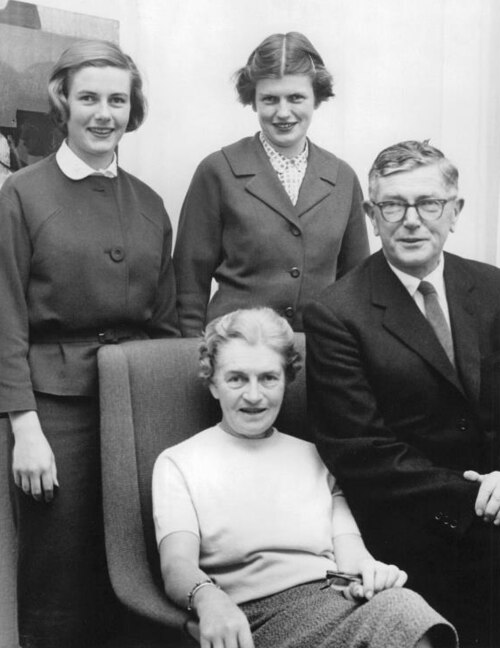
<point>86,260</point>
<point>272,218</point>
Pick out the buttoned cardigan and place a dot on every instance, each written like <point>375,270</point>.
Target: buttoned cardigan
<point>239,227</point>
<point>76,256</point>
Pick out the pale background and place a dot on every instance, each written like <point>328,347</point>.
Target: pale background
<point>403,69</point>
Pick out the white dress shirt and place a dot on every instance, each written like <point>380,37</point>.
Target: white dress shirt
<point>436,278</point>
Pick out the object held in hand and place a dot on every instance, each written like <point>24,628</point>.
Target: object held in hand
<point>340,580</point>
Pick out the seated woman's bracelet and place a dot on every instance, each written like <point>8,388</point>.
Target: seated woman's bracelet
<point>197,587</point>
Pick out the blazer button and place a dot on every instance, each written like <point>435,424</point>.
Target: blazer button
<point>439,516</point>
<point>289,312</point>
<point>453,524</point>
<point>462,425</point>
<point>295,231</point>
<point>117,254</point>
<point>295,272</point>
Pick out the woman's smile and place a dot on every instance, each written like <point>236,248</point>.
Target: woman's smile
<point>284,125</point>
<point>101,132</point>
<point>252,411</point>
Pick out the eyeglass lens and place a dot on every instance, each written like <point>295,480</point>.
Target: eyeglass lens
<point>426,209</point>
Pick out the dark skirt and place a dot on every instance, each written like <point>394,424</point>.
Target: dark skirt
<point>307,616</point>
<point>65,597</point>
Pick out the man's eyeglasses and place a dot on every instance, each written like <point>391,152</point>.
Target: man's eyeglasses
<point>429,209</point>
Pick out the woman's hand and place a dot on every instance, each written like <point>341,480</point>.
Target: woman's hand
<point>33,462</point>
<point>222,623</point>
<point>488,498</point>
<point>376,577</point>
<point>352,557</point>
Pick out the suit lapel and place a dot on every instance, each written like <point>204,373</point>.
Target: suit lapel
<point>459,293</point>
<point>403,319</point>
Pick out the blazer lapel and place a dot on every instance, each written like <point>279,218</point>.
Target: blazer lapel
<point>248,158</point>
<point>251,160</point>
<point>319,180</point>
<point>265,186</point>
<point>403,319</point>
<point>459,293</point>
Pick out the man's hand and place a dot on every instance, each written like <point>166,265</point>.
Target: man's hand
<point>487,504</point>
<point>33,462</point>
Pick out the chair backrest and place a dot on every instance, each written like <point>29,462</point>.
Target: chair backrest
<point>151,398</point>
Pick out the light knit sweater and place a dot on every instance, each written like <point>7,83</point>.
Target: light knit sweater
<point>265,510</point>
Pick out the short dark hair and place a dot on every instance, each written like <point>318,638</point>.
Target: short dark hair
<point>93,53</point>
<point>254,326</point>
<point>281,54</point>
<point>409,155</point>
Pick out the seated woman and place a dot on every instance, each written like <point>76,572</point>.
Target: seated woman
<point>249,521</point>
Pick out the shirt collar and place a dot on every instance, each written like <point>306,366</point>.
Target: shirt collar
<point>76,169</point>
<point>436,278</point>
<point>281,162</point>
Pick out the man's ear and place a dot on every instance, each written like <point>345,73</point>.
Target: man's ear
<point>457,208</point>
<point>369,208</point>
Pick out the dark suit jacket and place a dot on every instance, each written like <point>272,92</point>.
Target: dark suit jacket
<point>393,420</point>
<point>239,226</point>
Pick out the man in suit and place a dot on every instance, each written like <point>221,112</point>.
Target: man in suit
<point>404,392</point>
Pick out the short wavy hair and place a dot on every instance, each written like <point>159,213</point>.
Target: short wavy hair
<point>409,155</point>
<point>93,53</point>
<point>281,54</point>
<point>254,326</point>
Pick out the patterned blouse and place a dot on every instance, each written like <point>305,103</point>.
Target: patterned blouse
<point>291,171</point>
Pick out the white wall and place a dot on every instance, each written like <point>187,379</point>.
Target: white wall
<point>402,69</point>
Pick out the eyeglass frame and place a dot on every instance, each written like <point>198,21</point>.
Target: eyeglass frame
<point>340,580</point>
<point>406,205</point>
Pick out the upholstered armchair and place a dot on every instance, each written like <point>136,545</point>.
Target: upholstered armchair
<point>151,398</point>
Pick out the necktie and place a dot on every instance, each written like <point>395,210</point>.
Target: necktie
<point>436,318</point>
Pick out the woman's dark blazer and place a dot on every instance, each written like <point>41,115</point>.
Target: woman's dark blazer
<point>239,227</point>
<point>77,257</point>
